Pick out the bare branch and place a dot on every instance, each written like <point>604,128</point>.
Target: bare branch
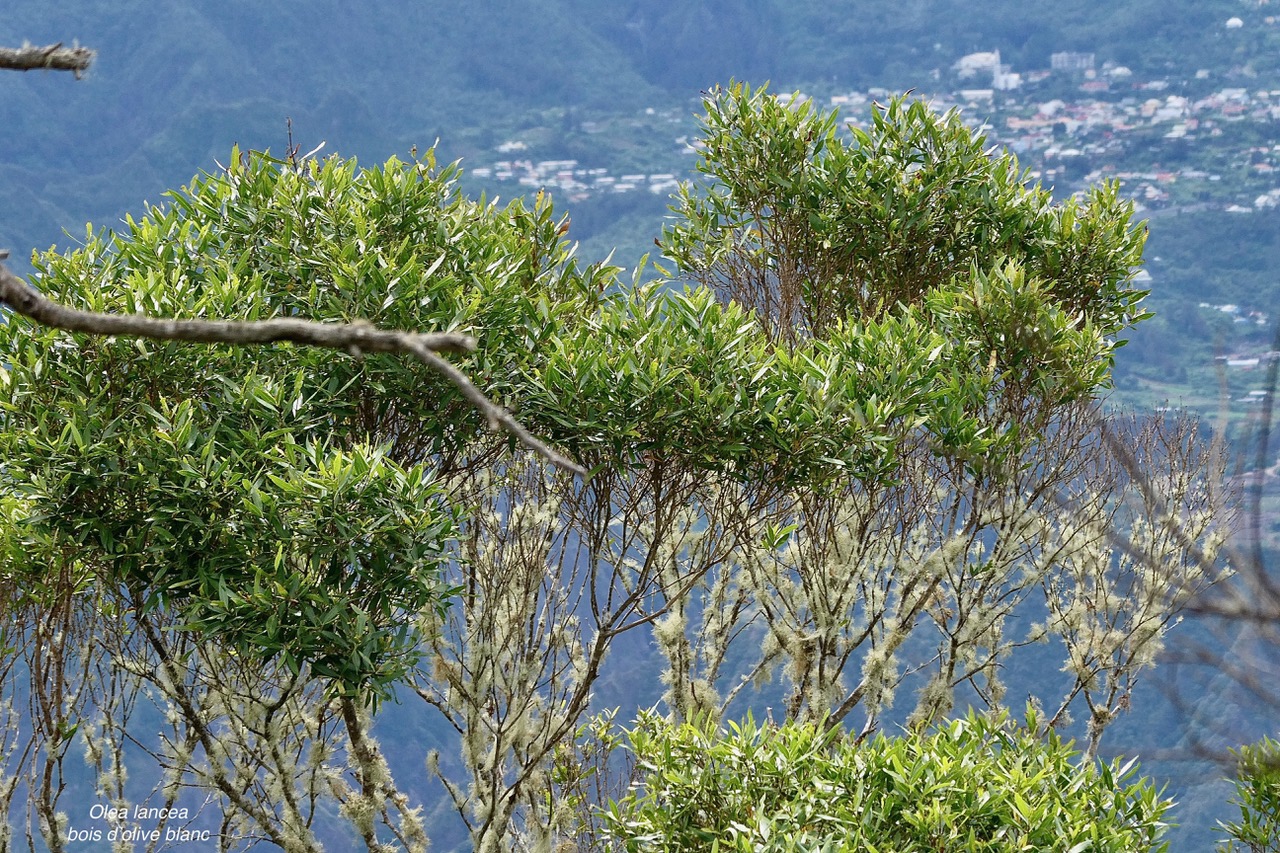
<point>54,56</point>
<point>351,337</point>
<point>356,336</point>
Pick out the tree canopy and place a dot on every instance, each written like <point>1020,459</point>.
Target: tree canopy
<point>850,444</point>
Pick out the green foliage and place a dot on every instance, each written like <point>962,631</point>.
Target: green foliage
<point>808,225</point>
<point>825,234</point>
<point>975,784</point>
<point>278,499</point>
<point>916,283</point>
<point>668,374</point>
<point>1257,796</point>
<point>876,326</point>
<point>193,478</point>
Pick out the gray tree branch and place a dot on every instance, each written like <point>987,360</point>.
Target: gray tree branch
<point>54,56</point>
<point>355,338</point>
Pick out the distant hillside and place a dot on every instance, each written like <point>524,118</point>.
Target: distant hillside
<point>687,44</point>
<point>176,84</point>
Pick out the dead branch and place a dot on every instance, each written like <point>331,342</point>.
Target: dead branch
<point>53,56</point>
<point>355,338</point>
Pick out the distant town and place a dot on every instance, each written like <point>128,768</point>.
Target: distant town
<point>1101,123</point>
<point>565,175</point>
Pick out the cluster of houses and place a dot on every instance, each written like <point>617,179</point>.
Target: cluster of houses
<point>1060,141</point>
<point>1244,361</point>
<point>572,181</point>
<point>1055,132</point>
<point>1238,314</point>
<point>1052,137</point>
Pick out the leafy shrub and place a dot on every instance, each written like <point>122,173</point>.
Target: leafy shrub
<point>276,500</point>
<point>977,784</point>
<point>1258,798</point>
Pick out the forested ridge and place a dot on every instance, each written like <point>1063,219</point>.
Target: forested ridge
<point>173,88</point>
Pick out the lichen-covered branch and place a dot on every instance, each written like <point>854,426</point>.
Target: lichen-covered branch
<point>53,56</point>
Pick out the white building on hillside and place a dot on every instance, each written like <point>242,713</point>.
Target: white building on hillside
<point>975,64</point>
